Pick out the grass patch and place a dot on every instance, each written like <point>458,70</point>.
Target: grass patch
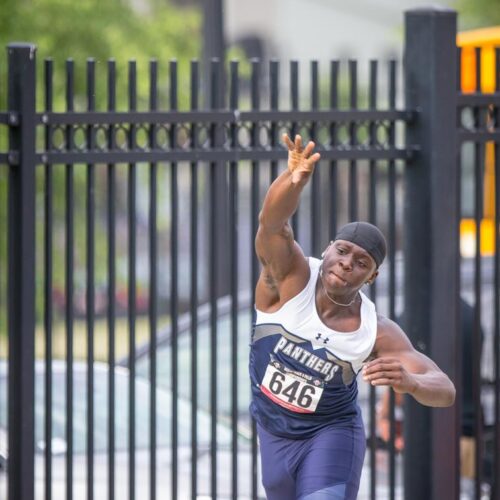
<point>101,338</point>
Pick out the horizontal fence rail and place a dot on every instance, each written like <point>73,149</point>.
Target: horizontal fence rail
<point>219,117</point>
<point>474,131</point>
<point>478,99</point>
<point>101,137</point>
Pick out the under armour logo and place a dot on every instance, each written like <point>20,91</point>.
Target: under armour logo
<point>325,340</point>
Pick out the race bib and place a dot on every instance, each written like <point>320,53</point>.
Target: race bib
<point>294,391</point>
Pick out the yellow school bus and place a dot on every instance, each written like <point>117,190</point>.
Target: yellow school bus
<point>487,39</point>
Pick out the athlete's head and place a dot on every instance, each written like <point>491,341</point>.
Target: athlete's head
<point>356,253</point>
<point>366,236</point>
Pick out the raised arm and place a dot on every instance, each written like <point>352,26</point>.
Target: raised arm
<point>285,270</point>
<point>401,366</point>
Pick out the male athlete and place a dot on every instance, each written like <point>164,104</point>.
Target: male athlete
<point>314,332</point>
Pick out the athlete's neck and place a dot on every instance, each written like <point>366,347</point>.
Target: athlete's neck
<point>343,302</point>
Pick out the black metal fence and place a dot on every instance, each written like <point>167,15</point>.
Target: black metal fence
<point>141,226</point>
<point>478,119</point>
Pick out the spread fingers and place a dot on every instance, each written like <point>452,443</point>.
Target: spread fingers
<point>288,142</point>
<point>308,149</point>
<point>298,143</point>
<point>313,159</point>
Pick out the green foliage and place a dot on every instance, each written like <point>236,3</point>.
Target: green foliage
<point>478,13</point>
<point>100,29</point>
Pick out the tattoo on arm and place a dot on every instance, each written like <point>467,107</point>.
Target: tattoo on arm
<point>270,281</point>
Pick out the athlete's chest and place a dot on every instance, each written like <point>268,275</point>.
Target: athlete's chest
<point>297,373</point>
<point>343,322</point>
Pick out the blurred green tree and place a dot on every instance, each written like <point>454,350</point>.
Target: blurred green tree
<point>99,29</point>
<point>478,13</point>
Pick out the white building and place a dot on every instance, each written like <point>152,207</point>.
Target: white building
<point>321,29</point>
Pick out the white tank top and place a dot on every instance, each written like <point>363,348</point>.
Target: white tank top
<point>300,316</point>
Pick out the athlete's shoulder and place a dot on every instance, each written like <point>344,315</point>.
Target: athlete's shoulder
<point>386,325</point>
<point>389,334</point>
<point>388,328</point>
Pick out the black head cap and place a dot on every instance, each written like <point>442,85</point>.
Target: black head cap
<point>367,236</point>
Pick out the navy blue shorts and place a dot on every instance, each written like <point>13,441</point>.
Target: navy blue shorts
<point>326,466</point>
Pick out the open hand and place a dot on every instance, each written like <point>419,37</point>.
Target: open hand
<point>300,161</point>
<point>389,371</point>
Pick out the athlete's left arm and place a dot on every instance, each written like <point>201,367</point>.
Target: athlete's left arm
<point>398,364</point>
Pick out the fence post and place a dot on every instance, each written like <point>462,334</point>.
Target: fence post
<point>21,276</point>
<point>431,246</point>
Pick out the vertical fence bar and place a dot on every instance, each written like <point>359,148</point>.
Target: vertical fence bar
<point>213,277</point>
<point>372,104</point>
<point>90,284</point>
<point>21,278</point>
<point>213,44</point>
<point>372,140</point>
<point>463,354</point>
<point>233,241</point>
<point>274,68</point>
<point>476,343</point>
<point>315,186</point>
<point>153,282</point>
<point>48,291</point>
<point>195,83</point>
<point>131,296</point>
<point>217,101</point>
<point>255,103</point>
<point>496,306</point>
<point>392,193</point>
<point>294,127</point>
<point>174,291</point>
<point>392,271</point>
<point>111,175</point>
<point>3,279</point>
<point>334,100</point>
<point>431,298</point>
<point>69,285</point>
<point>294,94</point>
<point>353,167</point>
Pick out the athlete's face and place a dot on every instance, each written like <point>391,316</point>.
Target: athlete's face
<point>347,265</point>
